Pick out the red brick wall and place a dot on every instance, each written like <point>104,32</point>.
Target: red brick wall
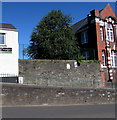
<point>105,76</point>
<point>115,37</point>
<point>99,42</point>
<point>107,11</point>
<point>101,45</point>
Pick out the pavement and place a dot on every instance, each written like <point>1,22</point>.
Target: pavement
<point>59,111</point>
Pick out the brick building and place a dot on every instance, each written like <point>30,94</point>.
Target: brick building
<point>97,37</point>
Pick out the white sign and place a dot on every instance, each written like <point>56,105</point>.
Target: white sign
<point>68,66</point>
<point>20,80</point>
<point>75,64</point>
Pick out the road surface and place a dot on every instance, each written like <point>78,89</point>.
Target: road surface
<point>70,111</point>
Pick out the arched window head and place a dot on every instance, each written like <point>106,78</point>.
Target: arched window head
<point>111,19</point>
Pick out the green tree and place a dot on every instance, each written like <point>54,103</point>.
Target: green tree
<point>53,38</point>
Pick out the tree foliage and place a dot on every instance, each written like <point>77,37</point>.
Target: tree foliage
<point>53,38</point>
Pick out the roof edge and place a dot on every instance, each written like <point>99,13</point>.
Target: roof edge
<point>8,29</point>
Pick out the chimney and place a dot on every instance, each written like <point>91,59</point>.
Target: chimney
<point>94,13</point>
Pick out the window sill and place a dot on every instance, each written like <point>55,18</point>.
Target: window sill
<point>104,66</point>
<point>84,43</point>
<point>113,67</point>
<point>109,67</point>
<point>3,45</point>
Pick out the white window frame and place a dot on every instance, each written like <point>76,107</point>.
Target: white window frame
<point>4,39</point>
<point>103,58</point>
<point>84,37</point>
<point>110,34</point>
<point>101,33</point>
<point>113,58</point>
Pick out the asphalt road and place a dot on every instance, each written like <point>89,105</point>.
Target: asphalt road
<point>71,111</point>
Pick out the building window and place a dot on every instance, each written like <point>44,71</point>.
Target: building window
<point>101,33</point>
<point>113,58</point>
<point>103,58</point>
<point>85,55</point>
<point>84,37</point>
<point>110,35</point>
<point>2,38</point>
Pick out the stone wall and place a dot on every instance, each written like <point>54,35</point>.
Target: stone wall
<point>42,70</point>
<point>15,94</point>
